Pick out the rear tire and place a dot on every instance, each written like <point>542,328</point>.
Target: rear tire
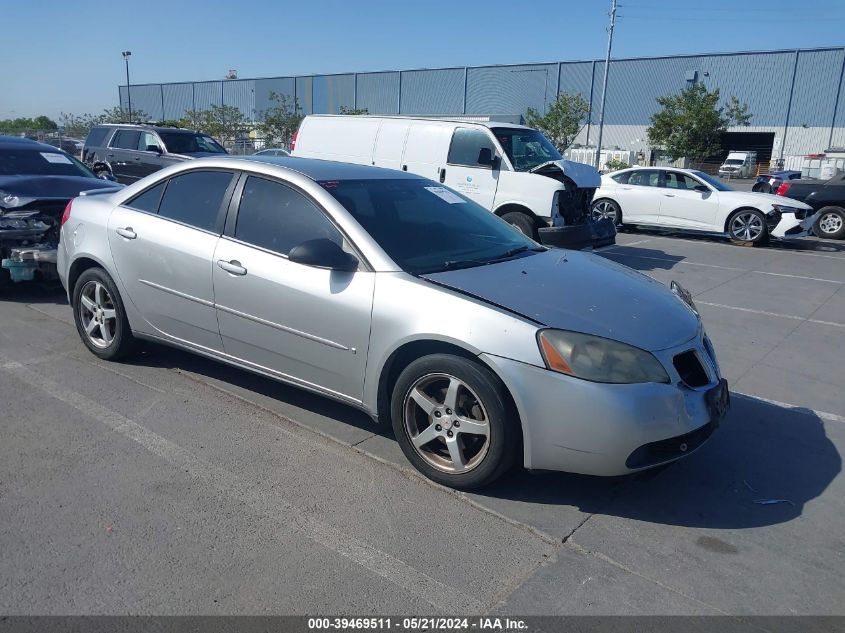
<point>522,222</point>
<point>100,316</point>
<point>830,223</point>
<point>748,226</point>
<point>454,421</point>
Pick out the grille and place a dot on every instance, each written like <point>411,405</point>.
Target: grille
<point>690,369</point>
<point>674,447</point>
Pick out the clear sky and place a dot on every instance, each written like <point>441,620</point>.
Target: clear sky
<point>59,56</point>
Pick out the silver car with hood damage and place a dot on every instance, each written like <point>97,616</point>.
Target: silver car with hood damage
<point>397,295</point>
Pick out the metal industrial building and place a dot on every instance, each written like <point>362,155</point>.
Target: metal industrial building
<point>795,96</point>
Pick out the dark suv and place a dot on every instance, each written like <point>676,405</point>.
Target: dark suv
<point>130,152</point>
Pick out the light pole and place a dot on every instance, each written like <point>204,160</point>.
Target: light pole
<point>604,83</point>
<point>126,55</point>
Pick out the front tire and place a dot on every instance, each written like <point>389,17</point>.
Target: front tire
<point>454,422</point>
<point>830,223</point>
<point>748,226</point>
<point>522,223</point>
<point>604,208</point>
<point>100,316</point>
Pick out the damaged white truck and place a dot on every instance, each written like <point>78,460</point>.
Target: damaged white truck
<point>510,169</point>
<point>36,183</point>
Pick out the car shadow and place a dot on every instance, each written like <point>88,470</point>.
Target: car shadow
<point>165,357</point>
<point>642,259</point>
<point>36,292</point>
<point>761,467</point>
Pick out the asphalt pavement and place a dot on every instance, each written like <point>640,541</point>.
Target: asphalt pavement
<point>170,484</point>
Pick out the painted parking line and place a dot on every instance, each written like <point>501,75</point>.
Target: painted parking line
<point>381,563</point>
<point>767,313</point>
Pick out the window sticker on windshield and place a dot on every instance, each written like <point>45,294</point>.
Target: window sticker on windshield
<point>56,158</point>
<point>446,195</point>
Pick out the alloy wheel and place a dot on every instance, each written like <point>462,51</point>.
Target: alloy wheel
<point>603,210</point>
<point>830,223</point>
<point>447,423</point>
<point>97,313</point>
<point>747,226</point>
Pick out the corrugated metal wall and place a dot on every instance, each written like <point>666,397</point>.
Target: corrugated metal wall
<point>798,90</point>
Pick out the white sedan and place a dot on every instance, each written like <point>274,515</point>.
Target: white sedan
<point>694,201</point>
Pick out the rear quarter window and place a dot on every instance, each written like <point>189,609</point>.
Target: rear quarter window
<point>97,136</point>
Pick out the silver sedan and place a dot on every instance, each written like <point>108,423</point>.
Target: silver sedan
<point>399,296</point>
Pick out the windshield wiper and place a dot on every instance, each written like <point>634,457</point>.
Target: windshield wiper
<point>456,264</point>
<point>516,251</point>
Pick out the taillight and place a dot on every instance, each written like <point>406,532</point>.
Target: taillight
<point>66,213</point>
<point>783,188</point>
<point>293,140</point>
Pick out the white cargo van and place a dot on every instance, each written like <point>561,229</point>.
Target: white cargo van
<point>739,165</point>
<point>510,169</point>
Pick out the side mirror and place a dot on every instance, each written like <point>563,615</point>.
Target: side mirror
<point>486,157</point>
<point>702,188</point>
<point>323,253</point>
<point>154,148</point>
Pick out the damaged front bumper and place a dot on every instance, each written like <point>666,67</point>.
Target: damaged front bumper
<point>28,242</point>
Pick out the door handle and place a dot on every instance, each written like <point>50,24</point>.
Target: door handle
<point>127,232</point>
<point>109,155</point>
<point>443,174</point>
<point>234,267</point>
<point>626,188</point>
<point>669,195</point>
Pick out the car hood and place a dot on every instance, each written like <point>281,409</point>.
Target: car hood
<point>582,175</point>
<point>51,187</point>
<point>582,292</point>
<point>759,199</point>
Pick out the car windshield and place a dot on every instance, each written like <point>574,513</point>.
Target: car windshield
<point>185,143</point>
<point>35,162</point>
<point>425,227</point>
<point>526,149</point>
<point>717,184</point>
<point>733,161</point>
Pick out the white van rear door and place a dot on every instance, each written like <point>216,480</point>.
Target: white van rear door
<point>391,143</point>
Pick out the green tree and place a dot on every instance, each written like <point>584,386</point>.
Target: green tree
<point>737,113</point>
<point>225,123</point>
<point>27,124</point>
<point>563,120</point>
<point>691,123</point>
<point>281,121</point>
<point>353,111</point>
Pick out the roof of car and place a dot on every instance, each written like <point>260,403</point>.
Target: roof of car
<point>319,170</point>
<point>468,120</point>
<point>149,126</point>
<point>13,142</point>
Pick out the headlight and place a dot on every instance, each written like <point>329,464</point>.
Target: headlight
<point>11,201</point>
<point>684,295</point>
<point>598,359</point>
<point>786,209</point>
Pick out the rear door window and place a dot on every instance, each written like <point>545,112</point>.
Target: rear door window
<point>644,178</point>
<point>276,217</point>
<point>195,198</point>
<point>147,201</point>
<point>126,139</point>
